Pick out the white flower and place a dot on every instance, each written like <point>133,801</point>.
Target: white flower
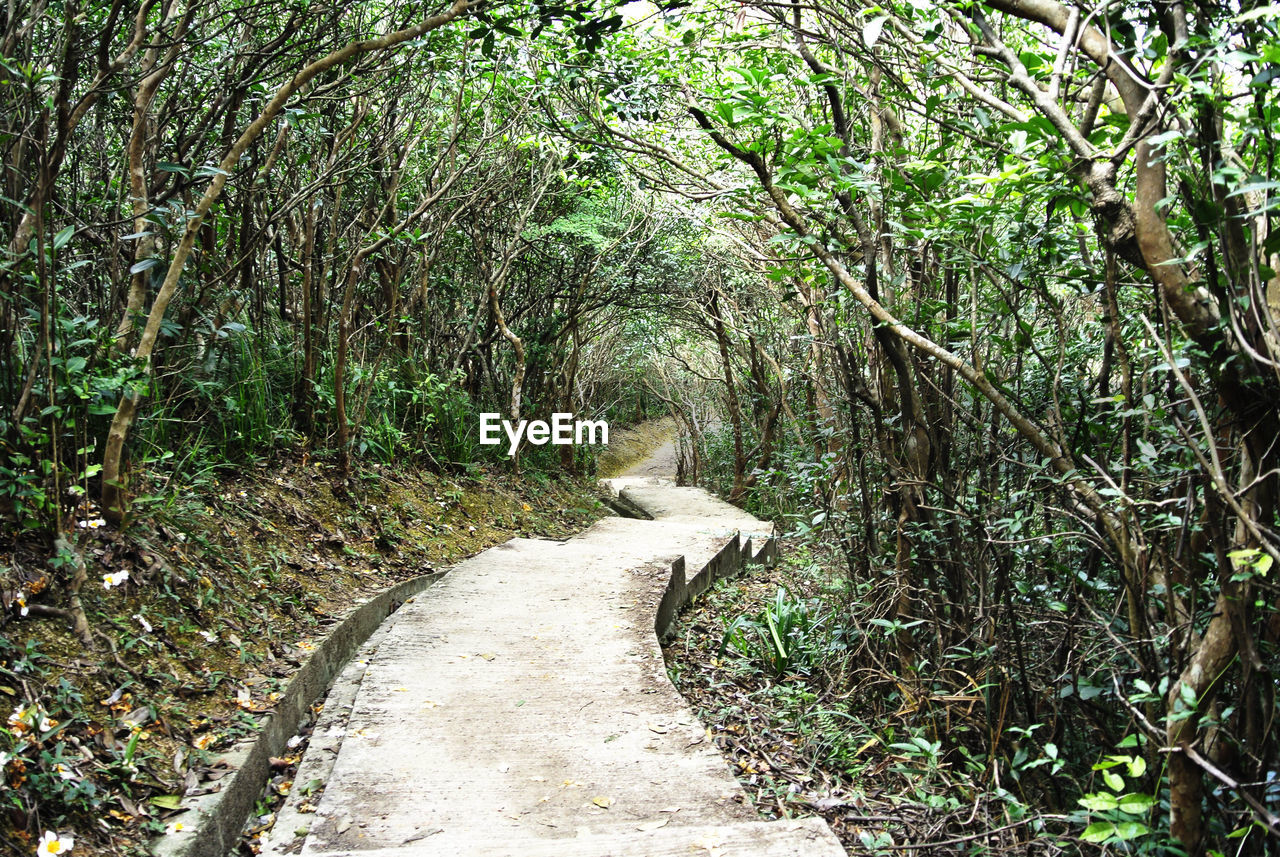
<point>4,760</point>
<point>47,723</point>
<point>114,578</point>
<point>51,844</point>
<point>64,772</point>
<point>91,523</point>
<point>294,742</point>
<point>21,600</point>
<point>18,717</point>
<point>142,620</point>
<point>174,827</point>
<point>212,638</point>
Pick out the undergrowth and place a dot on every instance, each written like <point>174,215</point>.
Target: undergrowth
<point>784,668</point>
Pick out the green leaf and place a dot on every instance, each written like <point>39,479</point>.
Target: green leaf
<point>1099,831</point>
<point>144,265</point>
<point>1127,830</point>
<point>1114,781</point>
<point>1135,804</point>
<point>1261,12</point>
<point>1253,187</point>
<point>1089,691</point>
<point>1099,802</point>
<point>64,235</point>
<point>167,801</point>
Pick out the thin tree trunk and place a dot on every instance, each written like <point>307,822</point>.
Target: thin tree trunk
<point>113,493</point>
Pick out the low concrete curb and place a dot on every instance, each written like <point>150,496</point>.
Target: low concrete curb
<point>683,588</point>
<point>626,508</point>
<point>327,734</point>
<point>212,822</point>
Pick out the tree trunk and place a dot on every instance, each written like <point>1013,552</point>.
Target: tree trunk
<point>114,498</point>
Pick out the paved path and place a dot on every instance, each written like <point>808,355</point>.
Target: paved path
<point>521,707</point>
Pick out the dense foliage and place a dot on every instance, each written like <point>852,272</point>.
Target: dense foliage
<point>981,297</point>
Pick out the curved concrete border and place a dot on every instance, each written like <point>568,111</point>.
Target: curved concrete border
<point>212,822</point>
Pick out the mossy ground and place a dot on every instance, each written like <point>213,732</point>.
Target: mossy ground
<point>230,584</point>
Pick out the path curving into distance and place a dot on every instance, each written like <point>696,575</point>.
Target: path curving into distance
<point>521,707</point>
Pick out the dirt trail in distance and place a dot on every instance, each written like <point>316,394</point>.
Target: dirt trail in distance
<point>660,463</point>
<point>647,449</point>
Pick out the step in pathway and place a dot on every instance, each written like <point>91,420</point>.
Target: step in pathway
<point>521,707</point>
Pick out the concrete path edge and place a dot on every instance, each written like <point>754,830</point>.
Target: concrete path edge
<point>212,822</point>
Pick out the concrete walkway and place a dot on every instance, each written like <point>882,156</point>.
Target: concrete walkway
<point>521,707</point>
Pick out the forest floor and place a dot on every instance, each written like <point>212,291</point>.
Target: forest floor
<point>808,739</point>
<point>201,612</point>
<point>764,725</point>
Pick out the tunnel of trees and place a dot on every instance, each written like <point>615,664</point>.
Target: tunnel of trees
<point>978,299</point>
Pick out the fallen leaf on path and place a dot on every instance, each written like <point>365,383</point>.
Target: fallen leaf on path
<point>653,825</point>
<point>602,802</point>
